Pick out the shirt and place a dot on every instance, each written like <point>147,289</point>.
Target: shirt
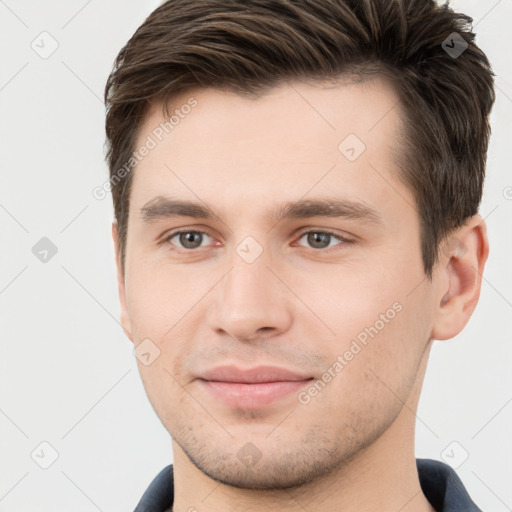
<point>439,483</point>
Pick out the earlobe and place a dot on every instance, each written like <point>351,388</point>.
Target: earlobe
<point>125,318</point>
<point>461,264</point>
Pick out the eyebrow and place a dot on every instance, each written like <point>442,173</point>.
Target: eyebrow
<point>162,207</point>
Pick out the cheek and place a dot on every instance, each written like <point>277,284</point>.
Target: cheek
<point>344,299</point>
<point>376,322</point>
<point>158,298</point>
<point>370,374</point>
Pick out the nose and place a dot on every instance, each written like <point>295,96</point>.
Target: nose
<point>251,301</point>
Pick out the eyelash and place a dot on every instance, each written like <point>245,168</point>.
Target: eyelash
<point>342,239</point>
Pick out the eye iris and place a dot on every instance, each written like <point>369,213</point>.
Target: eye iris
<point>190,237</point>
<point>315,238</point>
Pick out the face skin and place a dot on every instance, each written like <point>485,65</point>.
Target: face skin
<point>204,303</point>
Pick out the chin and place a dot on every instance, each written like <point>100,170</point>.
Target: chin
<point>272,467</point>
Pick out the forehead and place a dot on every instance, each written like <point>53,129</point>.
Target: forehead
<point>294,138</point>
<point>327,108</point>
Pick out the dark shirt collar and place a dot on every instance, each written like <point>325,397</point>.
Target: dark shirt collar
<point>439,483</point>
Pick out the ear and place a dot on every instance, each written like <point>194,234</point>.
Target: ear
<point>461,265</point>
<point>125,318</point>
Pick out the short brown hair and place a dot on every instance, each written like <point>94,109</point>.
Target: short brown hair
<point>248,46</point>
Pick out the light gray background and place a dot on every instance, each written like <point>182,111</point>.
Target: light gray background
<point>67,371</point>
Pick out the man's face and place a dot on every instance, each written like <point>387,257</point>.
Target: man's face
<point>346,308</point>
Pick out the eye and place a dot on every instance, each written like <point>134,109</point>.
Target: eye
<point>189,240</point>
<point>321,239</point>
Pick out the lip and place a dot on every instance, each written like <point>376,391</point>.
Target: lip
<point>252,388</point>
<point>254,375</point>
